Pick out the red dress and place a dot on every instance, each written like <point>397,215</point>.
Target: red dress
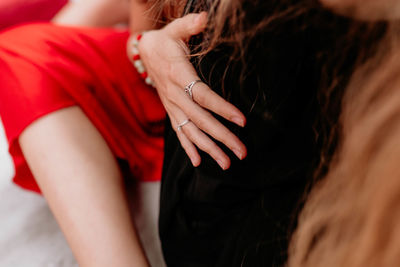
<point>44,68</point>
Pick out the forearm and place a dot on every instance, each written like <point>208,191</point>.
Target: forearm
<point>81,181</point>
<point>94,13</point>
<point>95,218</point>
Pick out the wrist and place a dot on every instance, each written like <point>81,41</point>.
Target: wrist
<point>134,57</point>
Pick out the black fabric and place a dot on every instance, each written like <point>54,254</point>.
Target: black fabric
<point>242,216</point>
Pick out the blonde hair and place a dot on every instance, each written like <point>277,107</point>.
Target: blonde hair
<point>352,217</point>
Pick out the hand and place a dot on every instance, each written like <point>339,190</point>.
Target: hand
<point>165,55</point>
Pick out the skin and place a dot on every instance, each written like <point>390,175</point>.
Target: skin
<point>81,181</point>
<point>79,176</point>
<point>74,166</point>
<point>171,71</point>
<point>366,9</point>
<point>164,53</point>
<point>94,13</point>
<point>171,78</point>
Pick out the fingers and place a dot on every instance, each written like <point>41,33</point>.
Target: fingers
<point>203,95</point>
<point>190,134</point>
<point>206,122</point>
<point>187,26</point>
<point>189,148</point>
<point>210,100</point>
<point>204,143</point>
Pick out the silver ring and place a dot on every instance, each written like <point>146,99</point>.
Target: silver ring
<point>179,128</point>
<point>189,87</point>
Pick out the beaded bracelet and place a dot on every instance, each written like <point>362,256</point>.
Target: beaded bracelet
<point>136,60</point>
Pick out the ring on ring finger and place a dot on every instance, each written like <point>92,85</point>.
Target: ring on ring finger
<point>180,125</point>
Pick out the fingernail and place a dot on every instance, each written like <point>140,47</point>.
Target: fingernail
<point>222,165</point>
<point>238,121</point>
<point>195,163</point>
<point>238,153</point>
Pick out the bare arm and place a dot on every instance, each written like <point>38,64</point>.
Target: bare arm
<point>80,179</point>
<point>94,13</point>
<point>83,185</point>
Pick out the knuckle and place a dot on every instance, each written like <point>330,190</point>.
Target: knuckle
<point>208,123</point>
<point>201,123</point>
<point>209,147</point>
<point>189,133</point>
<point>177,25</point>
<point>230,140</point>
<point>185,146</point>
<point>199,96</point>
<point>178,21</point>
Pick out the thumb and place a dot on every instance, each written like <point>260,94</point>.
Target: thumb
<point>187,26</point>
